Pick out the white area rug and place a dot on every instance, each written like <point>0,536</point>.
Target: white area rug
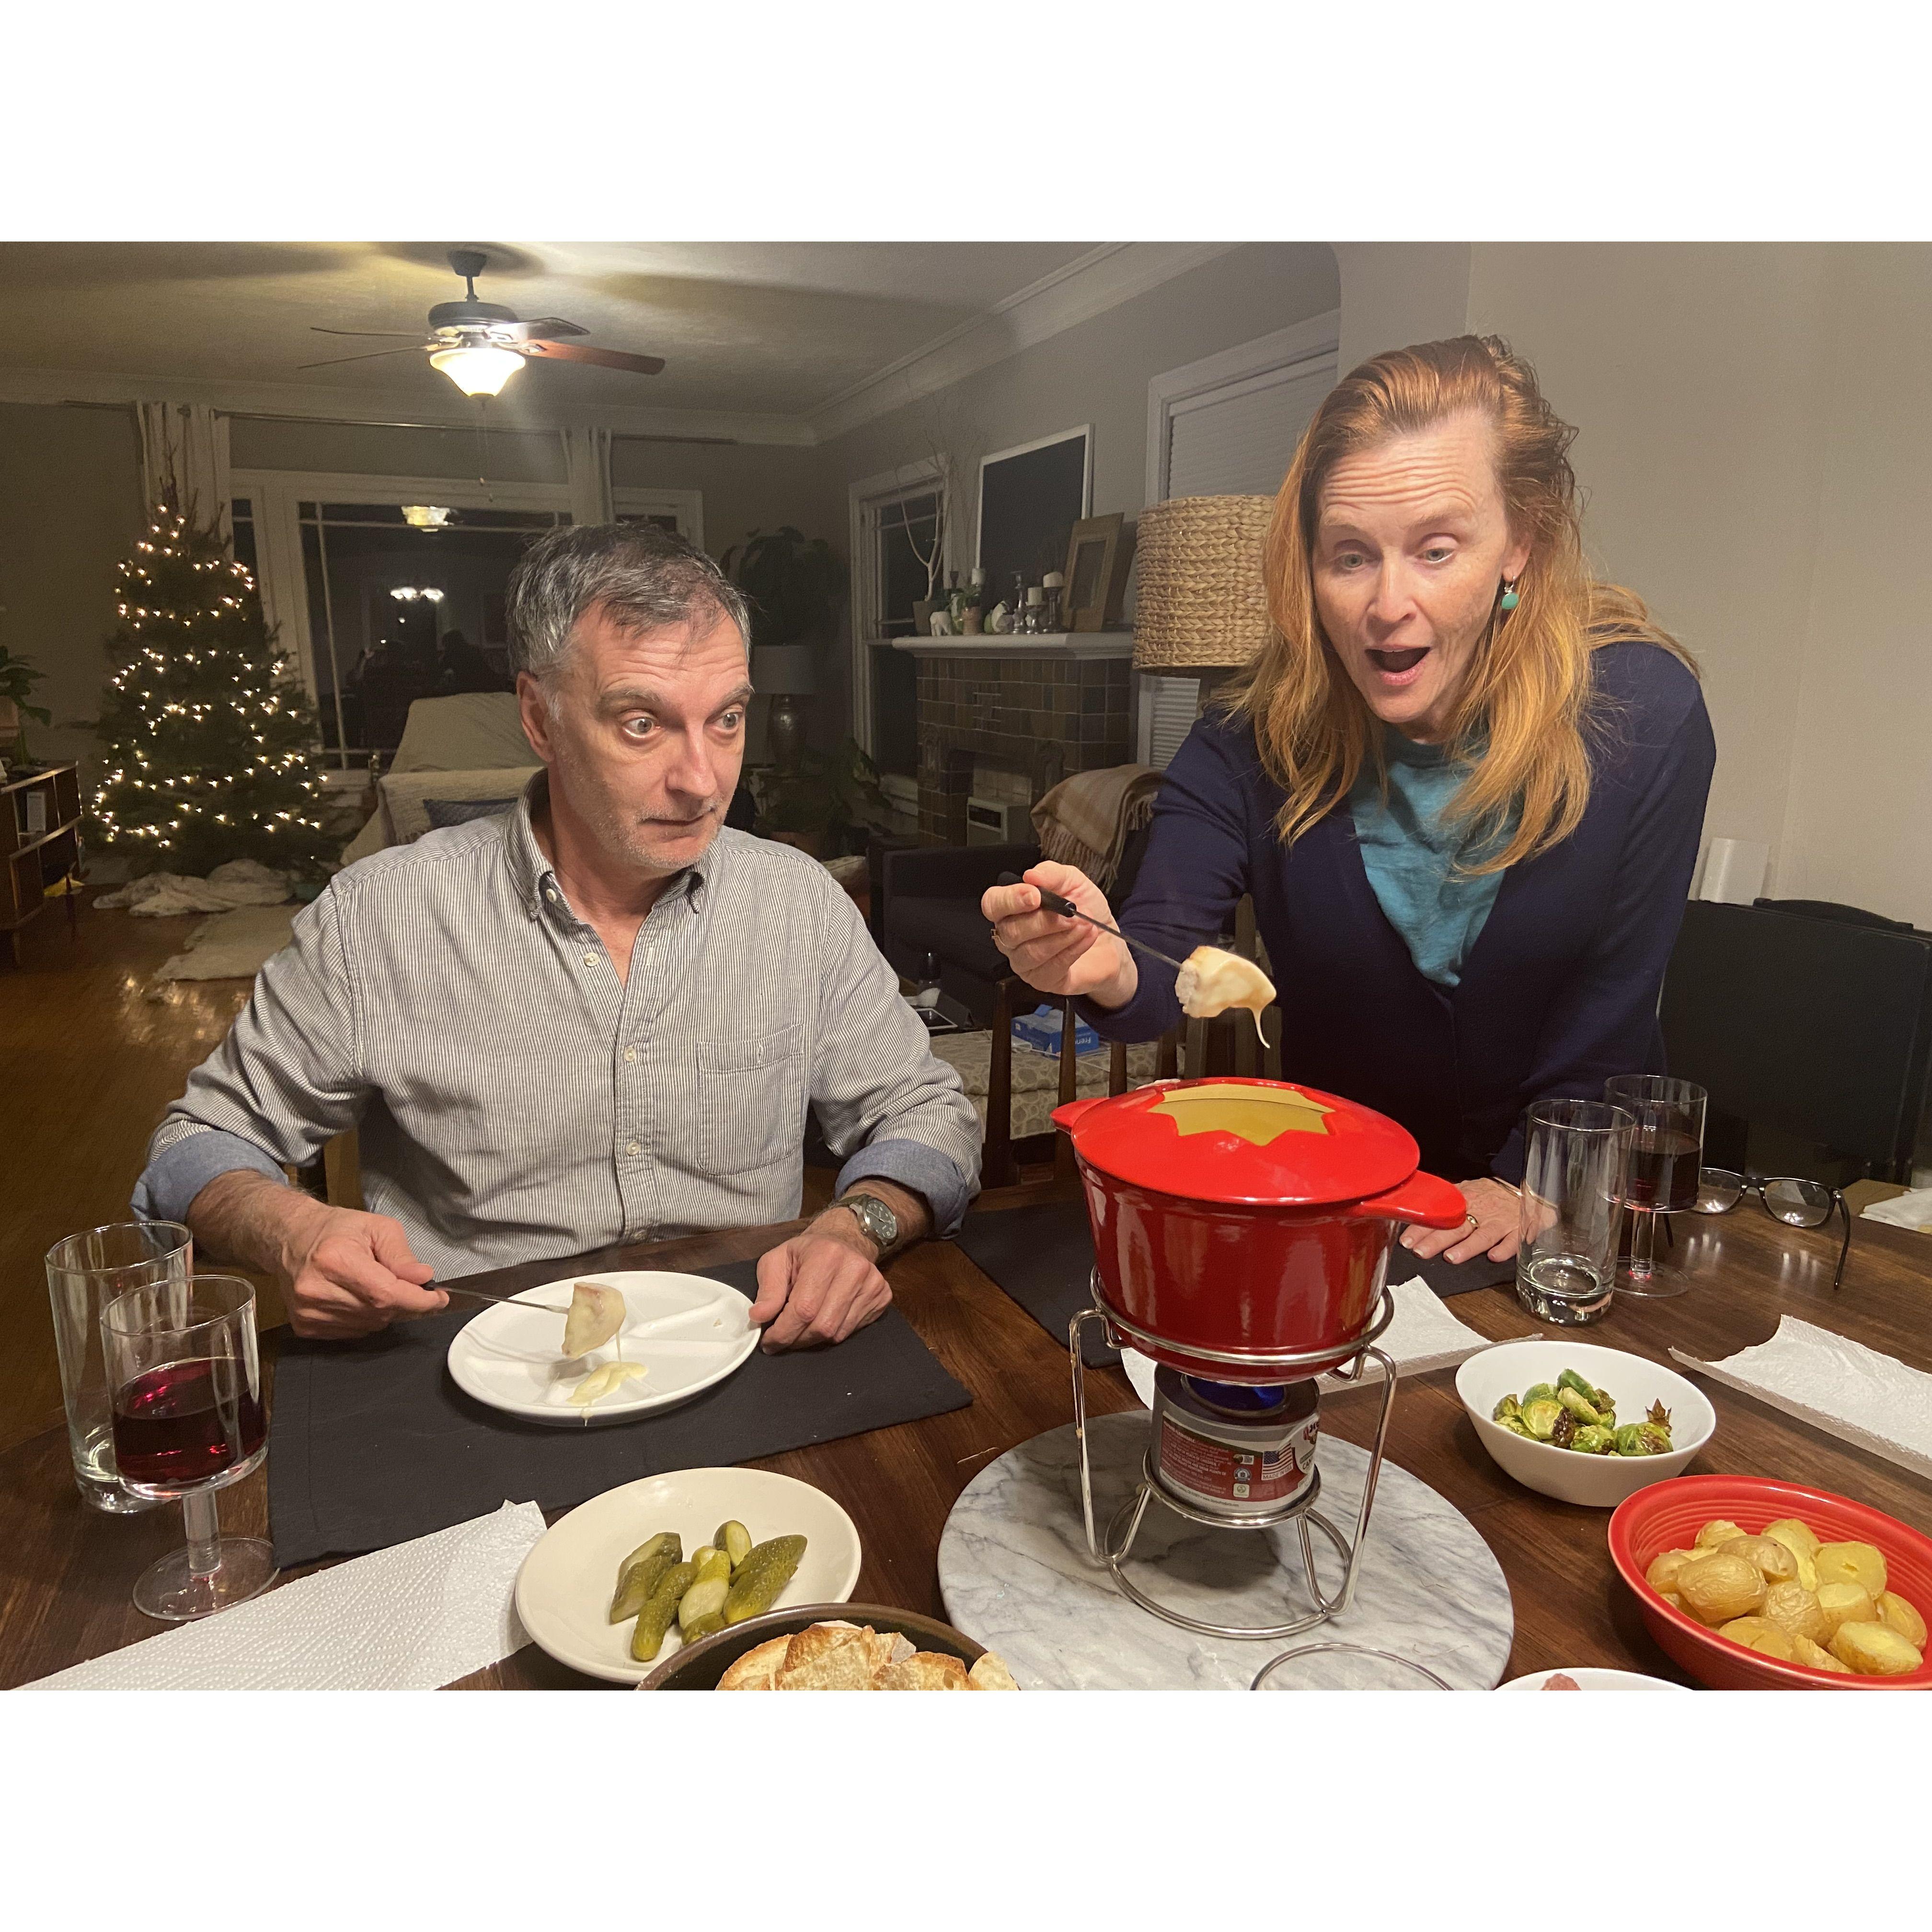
<point>230,945</point>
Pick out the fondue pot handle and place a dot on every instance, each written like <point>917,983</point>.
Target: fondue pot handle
<point>1070,1116</point>
<point>1422,1198</point>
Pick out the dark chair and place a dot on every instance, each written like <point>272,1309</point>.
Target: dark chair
<point>1813,1026</point>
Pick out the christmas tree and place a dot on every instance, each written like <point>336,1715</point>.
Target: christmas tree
<point>210,750</point>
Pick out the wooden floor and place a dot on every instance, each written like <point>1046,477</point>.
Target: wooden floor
<point>87,1064</point>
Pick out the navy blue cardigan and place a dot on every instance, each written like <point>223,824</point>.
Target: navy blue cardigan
<point>1560,990</point>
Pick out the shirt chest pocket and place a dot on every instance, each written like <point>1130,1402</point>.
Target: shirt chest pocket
<point>751,1101</point>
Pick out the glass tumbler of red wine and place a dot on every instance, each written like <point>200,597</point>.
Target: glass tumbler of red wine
<point>186,1373</point>
<point>1667,1151</point>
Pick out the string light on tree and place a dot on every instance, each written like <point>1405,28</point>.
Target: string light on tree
<point>211,751</point>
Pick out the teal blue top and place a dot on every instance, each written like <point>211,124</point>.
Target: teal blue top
<point>1410,855</point>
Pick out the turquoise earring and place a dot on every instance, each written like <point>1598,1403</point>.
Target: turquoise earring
<point>1509,600</point>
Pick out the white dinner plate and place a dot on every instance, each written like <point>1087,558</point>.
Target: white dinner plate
<point>564,1589</point>
<point>688,1332</point>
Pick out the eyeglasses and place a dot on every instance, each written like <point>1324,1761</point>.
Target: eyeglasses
<point>1797,1203</point>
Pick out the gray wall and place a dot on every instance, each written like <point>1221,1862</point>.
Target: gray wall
<point>69,511</point>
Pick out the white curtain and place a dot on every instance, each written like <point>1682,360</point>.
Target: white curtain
<point>586,470</point>
<point>184,456</point>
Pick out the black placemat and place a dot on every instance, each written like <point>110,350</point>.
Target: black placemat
<point>371,1443</point>
<point>1041,1257</point>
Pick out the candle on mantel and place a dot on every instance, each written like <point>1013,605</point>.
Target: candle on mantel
<point>1036,596</point>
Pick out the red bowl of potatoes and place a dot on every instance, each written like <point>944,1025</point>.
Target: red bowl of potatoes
<point>1860,1637</point>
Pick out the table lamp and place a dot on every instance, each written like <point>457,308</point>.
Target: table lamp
<point>784,673</point>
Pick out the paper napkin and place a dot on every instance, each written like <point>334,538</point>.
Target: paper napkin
<point>1912,1210</point>
<point>1423,1336</point>
<point>1837,1385</point>
<point>411,1618</point>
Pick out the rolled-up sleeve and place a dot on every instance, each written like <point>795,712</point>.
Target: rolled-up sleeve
<point>881,1097</point>
<point>282,1084</point>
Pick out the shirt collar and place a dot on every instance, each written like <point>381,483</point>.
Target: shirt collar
<point>536,878</point>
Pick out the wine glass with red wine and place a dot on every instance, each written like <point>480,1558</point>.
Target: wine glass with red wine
<point>1666,1154</point>
<point>185,1374</point>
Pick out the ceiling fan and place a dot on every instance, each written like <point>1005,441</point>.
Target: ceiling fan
<point>479,345</point>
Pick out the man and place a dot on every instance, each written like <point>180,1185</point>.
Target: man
<point>600,1017</point>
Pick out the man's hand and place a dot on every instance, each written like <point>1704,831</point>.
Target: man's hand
<point>1498,1209</point>
<point>345,1274</point>
<point>820,1286</point>
<point>1054,954</point>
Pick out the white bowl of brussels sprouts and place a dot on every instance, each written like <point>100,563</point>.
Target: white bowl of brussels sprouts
<point>1585,1424</point>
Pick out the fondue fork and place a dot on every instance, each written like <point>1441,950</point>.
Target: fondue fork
<point>1053,902</point>
<point>544,1308</point>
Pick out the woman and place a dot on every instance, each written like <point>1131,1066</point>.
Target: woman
<point>1464,783</point>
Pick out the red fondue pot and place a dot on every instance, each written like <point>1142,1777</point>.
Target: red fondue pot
<point>1236,1221</point>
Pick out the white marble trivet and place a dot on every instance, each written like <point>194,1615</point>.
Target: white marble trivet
<point>1015,1575</point>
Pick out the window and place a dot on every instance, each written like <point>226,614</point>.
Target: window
<point>396,613</point>
<point>897,563</point>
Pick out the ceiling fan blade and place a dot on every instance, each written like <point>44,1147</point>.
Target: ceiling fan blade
<point>542,329</point>
<point>398,335</point>
<point>372,355</point>
<point>604,358</point>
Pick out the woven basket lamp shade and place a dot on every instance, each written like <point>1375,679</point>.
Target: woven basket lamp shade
<point>1200,600</point>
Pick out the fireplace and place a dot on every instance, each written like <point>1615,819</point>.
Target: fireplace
<point>1040,709</point>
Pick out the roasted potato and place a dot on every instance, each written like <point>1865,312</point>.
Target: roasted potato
<point>1895,1613</point>
<point>1720,1587</point>
<point>1816,1658</point>
<point>1796,1536</point>
<point>1761,1634</point>
<point>1846,1604</point>
<point>1873,1651</point>
<point>1793,1608</point>
<point>1662,1574</point>
<point>1859,1563</point>
<point>1717,1530</point>
<point>1771,1559</point>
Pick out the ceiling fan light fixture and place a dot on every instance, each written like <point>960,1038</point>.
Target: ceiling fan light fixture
<point>479,370</point>
<point>425,516</point>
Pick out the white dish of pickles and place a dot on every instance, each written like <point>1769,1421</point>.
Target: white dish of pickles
<point>668,1337</point>
<point>571,1581</point>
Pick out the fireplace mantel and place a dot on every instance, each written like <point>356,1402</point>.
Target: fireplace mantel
<point>1051,644</point>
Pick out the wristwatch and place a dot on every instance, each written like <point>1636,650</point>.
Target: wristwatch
<point>877,1221</point>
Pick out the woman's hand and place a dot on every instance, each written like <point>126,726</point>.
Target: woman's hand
<point>1064,957</point>
<point>1494,1208</point>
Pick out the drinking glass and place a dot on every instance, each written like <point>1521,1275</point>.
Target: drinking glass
<point>85,1273</point>
<point>1666,1152</point>
<point>189,1420</point>
<point>1572,1188</point>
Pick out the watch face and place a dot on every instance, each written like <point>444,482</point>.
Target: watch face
<point>880,1224</point>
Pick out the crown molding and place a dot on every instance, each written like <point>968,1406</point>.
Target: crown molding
<point>1089,285</point>
<point>313,402</point>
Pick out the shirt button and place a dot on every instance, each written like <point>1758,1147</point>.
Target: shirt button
<point>630,1054</point>
<point>590,959</point>
<point>631,1147</point>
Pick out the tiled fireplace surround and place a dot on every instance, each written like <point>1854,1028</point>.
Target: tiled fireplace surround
<point>1048,715</point>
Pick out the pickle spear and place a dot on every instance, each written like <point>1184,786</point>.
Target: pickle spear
<point>639,1573</point>
<point>654,1619</point>
<point>735,1540</point>
<point>717,1564</point>
<point>705,1598</point>
<point>762,1576</point>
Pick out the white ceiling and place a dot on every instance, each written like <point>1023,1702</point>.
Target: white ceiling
<point>778,329</point>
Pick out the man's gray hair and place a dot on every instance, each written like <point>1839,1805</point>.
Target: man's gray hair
<point>646,578</point>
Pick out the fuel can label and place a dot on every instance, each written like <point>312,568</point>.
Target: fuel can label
<point>1218,1473</point>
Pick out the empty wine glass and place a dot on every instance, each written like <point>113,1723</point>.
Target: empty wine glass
<point>185,1374</point>
<point>1667,1149</point>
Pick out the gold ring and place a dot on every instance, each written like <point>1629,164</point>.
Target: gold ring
<point>1469,1221</point>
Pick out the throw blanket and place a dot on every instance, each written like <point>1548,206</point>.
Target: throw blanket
<point>241,882</point>
<point>1085,819</point>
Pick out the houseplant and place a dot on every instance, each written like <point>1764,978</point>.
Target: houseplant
<point>793,582</point>
<point>828,805</point>
<point>17,679</point>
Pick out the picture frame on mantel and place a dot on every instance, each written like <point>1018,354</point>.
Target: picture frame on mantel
<point>1098,553</point>
<point>1030,496</point>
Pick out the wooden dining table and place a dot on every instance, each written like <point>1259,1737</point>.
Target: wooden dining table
<point>66,1570</point>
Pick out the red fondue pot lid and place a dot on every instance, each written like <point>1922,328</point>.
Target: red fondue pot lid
<point>1250,1142</point>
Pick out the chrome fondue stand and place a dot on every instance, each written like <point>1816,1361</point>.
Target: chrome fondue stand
<point>1300,1510</point>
